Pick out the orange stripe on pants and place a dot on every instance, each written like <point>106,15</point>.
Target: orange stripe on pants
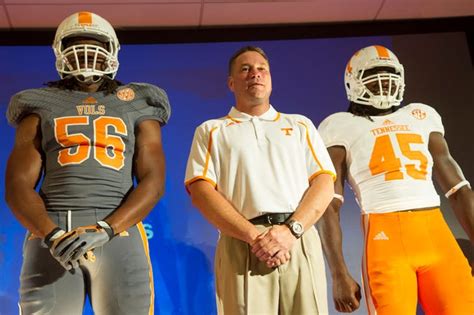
<point>413,254</point>
<point>144,238</point>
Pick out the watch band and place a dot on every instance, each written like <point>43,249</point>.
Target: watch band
<point>296,228</point>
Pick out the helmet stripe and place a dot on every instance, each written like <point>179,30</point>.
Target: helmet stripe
<point>85,18</point>
<point>382,51</point>
<point>349,67</point>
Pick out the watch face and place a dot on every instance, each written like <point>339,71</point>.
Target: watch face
<point>297,227</point>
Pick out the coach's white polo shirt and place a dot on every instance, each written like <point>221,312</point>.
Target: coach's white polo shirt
<point>260,164</point>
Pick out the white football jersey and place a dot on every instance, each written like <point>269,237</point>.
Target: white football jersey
<point>388,162</point>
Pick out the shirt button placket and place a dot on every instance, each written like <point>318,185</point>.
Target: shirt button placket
<point>259,132</point>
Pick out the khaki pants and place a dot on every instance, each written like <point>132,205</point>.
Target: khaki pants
<point>244,285</point>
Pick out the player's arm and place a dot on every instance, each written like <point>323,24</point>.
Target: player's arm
<point>149,169</point>
<point>346,291</point>
<point>448,175</point>
<point>22,174</point>
<point>315,200</point>
<point>220,212</point>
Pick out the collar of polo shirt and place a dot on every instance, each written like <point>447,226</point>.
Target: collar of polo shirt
<point>270,115</point>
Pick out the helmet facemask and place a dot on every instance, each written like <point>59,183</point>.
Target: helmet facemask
<point>381,90</point>
<point>88,63</point>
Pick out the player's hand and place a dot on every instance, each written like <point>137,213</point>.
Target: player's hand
<point>346,293</point>
<point>79,243</point>
<point>277,239</point>
<point>51,240</point>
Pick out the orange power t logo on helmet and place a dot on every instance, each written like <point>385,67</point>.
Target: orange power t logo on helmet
<point>382,51</point>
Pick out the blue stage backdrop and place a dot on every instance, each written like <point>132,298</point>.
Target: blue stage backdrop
<point>307,78</point>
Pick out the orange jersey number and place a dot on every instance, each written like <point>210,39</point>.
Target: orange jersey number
<point>384,160</point>
<point>109,149</point>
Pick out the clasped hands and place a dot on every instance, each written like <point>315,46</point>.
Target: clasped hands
<point>68,248</point>
<point>273,246</point>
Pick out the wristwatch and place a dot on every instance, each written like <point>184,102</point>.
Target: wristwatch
<point>296,228</point>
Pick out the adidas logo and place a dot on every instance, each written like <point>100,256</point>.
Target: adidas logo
<point>381,236</point>
<point>90,100</point>
<point>387,122</point>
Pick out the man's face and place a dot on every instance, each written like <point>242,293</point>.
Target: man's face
<point>380,86</point>
<point>250,78</point>
<point>86,46</point>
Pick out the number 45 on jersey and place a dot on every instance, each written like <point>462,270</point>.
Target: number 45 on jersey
<point>384,160</point>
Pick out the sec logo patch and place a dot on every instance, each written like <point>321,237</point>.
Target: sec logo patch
<point>418,114</point>
<point>126,94</point>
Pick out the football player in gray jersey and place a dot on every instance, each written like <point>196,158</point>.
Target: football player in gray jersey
<point>85,138</point>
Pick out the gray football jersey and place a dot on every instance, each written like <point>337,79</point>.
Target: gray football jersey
<point>88,140</point>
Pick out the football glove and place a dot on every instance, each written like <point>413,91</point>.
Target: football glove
<point>80,242</point>
<point>52,240</point>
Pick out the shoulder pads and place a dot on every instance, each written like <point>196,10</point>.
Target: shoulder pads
<point>153,96</point>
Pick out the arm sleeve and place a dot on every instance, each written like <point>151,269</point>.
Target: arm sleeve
<point>330,129</point>
<point>156,103</point>
<point>317,156</point>
<point>435,120</point>
<point>20,106</point>
<point>201,160</point>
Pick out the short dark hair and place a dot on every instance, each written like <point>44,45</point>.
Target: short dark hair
<point>244,50</point>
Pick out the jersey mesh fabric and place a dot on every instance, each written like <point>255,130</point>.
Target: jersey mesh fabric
<point>94,134</point>
<point>400,140</point>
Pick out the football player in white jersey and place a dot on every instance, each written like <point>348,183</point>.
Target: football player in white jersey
<point>86,136</point>
<point>388,153</point>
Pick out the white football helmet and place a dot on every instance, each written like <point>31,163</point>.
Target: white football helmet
<point>356,82</point>
<point>87,62</point>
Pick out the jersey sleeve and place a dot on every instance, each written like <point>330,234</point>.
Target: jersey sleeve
<point>21,105</point>
<point>434,120</point>
<point>330,131</point>
<point>156,105</point>
<point>317,157</point>
<point>200,164</point>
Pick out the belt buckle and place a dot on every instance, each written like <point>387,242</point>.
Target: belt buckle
<point>269,219</point>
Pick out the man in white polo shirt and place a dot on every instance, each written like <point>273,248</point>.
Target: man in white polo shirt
<point>263,178</point>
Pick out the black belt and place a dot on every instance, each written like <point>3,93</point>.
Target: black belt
<point>271,218</point>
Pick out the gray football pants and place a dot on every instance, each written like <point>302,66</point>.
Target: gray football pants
<point>119,281</point>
